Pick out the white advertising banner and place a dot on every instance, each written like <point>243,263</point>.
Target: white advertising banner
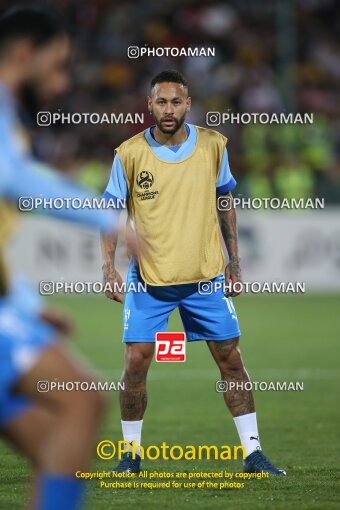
<point>291,246</point>
<point>275,246</point>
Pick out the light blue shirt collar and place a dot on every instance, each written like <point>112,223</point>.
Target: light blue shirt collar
<point>166,154</point>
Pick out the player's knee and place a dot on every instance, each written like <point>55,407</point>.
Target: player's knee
<point>231,361</point>
<point>137,361</point>
<point>84,406</point>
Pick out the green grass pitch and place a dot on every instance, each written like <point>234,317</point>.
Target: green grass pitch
<point>284,338</point>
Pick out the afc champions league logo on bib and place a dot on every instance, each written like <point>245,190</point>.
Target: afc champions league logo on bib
<point>145,180</point>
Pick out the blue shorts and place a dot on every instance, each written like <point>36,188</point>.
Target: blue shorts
<point>22,340</point>
<point>209,316</point>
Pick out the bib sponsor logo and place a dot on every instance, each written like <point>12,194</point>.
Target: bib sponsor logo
<point>145,181</point>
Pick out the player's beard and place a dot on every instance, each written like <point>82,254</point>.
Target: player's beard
<point>178,123</point>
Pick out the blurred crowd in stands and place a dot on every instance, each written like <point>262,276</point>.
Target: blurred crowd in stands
<point>246,75</point>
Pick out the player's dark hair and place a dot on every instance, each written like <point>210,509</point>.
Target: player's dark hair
<point>38,24</point>
<point>169,75</point>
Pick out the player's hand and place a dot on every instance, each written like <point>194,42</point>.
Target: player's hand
<point>232,277</point>
<point>58,320</point>
<point>114,281</point>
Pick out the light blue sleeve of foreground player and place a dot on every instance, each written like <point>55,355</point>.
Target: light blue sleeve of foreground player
<point>19,177</point>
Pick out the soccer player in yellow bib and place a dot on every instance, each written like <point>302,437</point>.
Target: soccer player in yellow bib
<point>171,176</point>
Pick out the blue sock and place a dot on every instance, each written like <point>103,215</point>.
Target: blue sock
<point>58,492</point>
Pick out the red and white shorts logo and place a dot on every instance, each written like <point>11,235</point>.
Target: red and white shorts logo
<point>170,347</point>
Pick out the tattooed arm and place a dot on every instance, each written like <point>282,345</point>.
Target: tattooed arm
<point>227,221</point>
<point>110,274</point>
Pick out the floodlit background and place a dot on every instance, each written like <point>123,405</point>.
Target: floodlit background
<point>271,56</point>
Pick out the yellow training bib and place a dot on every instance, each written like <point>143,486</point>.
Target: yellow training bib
<point>173,206</point>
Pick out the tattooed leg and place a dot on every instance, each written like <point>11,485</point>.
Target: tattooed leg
<point>227,355</point>
<point>133,399</point>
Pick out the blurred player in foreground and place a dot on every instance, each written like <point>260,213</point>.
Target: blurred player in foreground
<point>55,430</point>
<point>171,176</point>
